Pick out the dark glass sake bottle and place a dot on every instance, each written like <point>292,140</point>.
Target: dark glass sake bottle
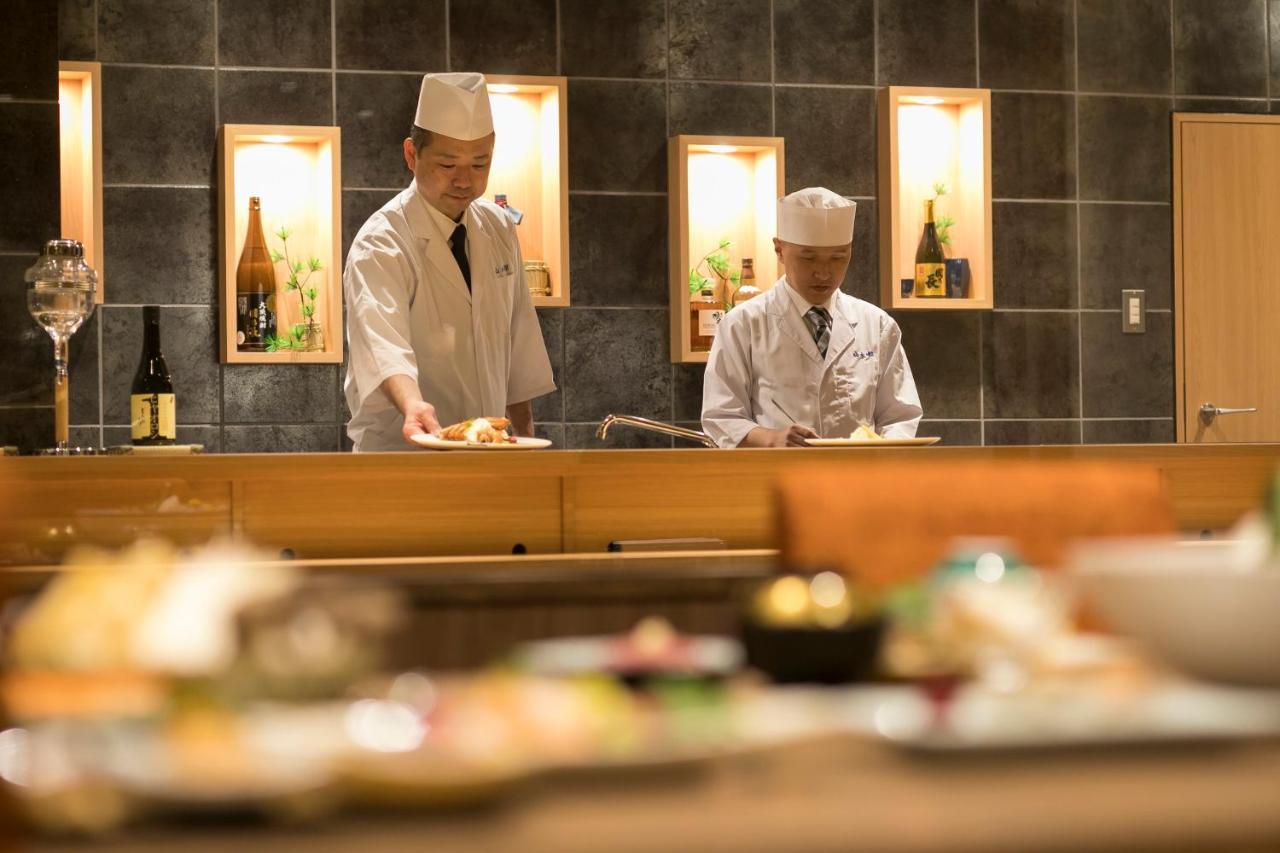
<point>931,270</point>
<point>151,400</point>
<point>255,287</point>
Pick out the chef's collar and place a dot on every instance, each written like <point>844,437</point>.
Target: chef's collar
<point>443,224</point>
<point>803,305</point>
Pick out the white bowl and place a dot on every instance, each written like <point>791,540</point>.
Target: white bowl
<point>1197,606</point>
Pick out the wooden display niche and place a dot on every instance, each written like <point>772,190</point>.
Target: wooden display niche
<point>720,187</point>
<point>296,171</point>
<point>531,166</point>
<point>928,136</point>
<point>80,150</point>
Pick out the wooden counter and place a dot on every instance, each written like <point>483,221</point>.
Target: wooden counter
<point>477,503</point>
<point>845,794</point>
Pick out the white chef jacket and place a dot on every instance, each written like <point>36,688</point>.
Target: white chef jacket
<point>765,369</point>
<point>473,353</point>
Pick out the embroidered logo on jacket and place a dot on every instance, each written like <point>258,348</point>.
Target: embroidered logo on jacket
<point>863,354</point>
<point>505,269</point>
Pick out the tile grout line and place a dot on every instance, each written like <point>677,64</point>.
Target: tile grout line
<point>1075,53</point>
<point>333,61</point>
<point>448,42</point>
<point>102,404</point>
<point>977,43</point>
<point>559,60</point>
<point>982,322</point>
<point>773,70</point>
<point>875,44</point>
<point>671,369</point>
<point>333,95</point>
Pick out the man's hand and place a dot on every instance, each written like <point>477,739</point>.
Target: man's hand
<point>521,417</point>
<point>793,436</point>
<point>419,417</point>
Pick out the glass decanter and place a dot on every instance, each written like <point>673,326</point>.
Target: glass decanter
<point>60,296</point>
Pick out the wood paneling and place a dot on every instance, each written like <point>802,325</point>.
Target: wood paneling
<point>425,504</point>
<point>457,513</point>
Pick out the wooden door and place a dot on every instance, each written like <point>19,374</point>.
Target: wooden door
<point>1227,275</point>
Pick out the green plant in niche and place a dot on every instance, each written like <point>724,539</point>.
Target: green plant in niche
<point>302,335</point>
<point>941,221</point>
<point>717,263</point>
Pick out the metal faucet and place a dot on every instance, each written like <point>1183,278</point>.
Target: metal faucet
<point>654,426</point>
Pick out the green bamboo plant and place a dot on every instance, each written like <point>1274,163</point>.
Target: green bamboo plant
<point>296,338</point>
<point>716,263</point>
<point>941,221</point>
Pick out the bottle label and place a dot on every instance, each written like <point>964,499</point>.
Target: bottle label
<point>931,280</point>
<point>708,322</point>
<point>255,320</point>
<point>153,417</point>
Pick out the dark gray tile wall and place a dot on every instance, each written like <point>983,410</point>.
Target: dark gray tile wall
<point>29,215</point>
<point>1081,175</point>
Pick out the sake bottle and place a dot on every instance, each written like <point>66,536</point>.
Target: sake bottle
<point>747,288</point>
<point>931,269</point>
<point>255,287</point>
<point>152,405</point>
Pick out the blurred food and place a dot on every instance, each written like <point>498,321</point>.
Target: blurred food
<point>984,615</point>
<point>652,649</point>
<point>478,431</point>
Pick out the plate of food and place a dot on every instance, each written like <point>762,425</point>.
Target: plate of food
<point>865,436</point>
<point>479,434</point>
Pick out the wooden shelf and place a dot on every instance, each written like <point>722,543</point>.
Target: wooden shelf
<point>296,171</point>
<point>531,166</point>
<point>720,187</point>
<point>928,136</point>
<point>80,150</point>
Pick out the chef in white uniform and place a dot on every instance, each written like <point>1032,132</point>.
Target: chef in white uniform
<point>440,325</point>
<point>805,360</point>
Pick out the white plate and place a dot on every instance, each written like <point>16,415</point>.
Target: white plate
<point>978,720</point>
<point>872,442</point>
<point>521,443</point>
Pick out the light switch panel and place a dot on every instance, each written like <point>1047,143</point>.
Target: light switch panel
<point>1133,304</point>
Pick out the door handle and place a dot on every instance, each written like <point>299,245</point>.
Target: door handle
<point>1209,412</point>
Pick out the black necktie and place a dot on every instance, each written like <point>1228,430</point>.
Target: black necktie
<point>820,326</point>
<point>458,245</point>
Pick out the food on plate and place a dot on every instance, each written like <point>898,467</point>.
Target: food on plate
<point>479,431</point>
<point>865,433</point>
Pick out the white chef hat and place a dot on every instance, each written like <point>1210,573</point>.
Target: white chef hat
<point>815,216</point>
<point>455,105</point>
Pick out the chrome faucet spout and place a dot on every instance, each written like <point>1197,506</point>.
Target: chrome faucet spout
<point>653,426</point>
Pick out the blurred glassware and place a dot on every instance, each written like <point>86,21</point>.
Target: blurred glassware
<point>813,628</point>
<point>1209,609</point>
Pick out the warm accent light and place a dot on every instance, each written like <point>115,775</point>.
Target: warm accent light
<point>721,149</point>
<point>80,159</point>
<point>502,89</point>
<point>277,140</point>
<point>927,100</point>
